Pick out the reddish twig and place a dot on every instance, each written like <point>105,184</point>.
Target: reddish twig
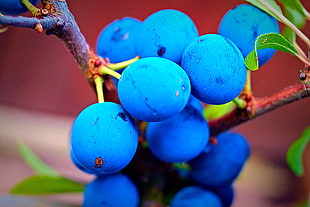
<point>259,106</point>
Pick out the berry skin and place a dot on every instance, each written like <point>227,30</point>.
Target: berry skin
<point>116,190</point>
<point>180,138</point>
<point>244,24</point>
<point>222,163</point>
<point>77,164</point>
<point>154,89</point>
<point>226,194</point>
<point>194,102</point>
<point>165,33</point>
<point>104,138</point>
<point>195,196</point>
<point>14,7</point>
<point>215,67</point>
<point>116,40</point>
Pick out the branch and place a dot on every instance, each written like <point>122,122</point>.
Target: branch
<point>60,22</point>
<point>260,106</point>
<point>48,22</point>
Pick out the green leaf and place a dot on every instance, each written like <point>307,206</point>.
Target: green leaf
<point>43,184</point>
<point>296,17</point>
<point>289,34</point>
<point>295,152</point>
<point>270,40</point>
<point>261,5</point>
<point>216,111</point>
<point>295,12</point>
<point>295,5</point>
<point>35,162</point>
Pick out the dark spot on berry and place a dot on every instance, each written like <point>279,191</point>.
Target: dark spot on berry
<point>142,66</point>
<point>161,51</point>
<point>98,162</point>
<point>94,122</point>
<point>219,80</point>
<point>122,116</point>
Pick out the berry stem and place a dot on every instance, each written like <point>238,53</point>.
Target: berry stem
<point>117,66</point>
<point>99,83</point>
<point>34,10</point>
<point>108,71</point>
<point>248,84</point>
<point>240,103</point>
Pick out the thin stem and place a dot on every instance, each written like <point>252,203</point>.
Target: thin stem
<point>300,51</point>
<point>117,66</point>
<point>99,83</point>
<point>304,60</point>
<point>108,71</point>
<point>240,103</point>
<point>34,10</point>
<point>248,83</point>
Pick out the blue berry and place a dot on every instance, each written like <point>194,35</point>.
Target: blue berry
<point>244,24</point>
<point>191,196</point>
<point>154,89</point>
<point>194,102</point>
<point>222,163</point>
<point>116,40</point>
<point>180,138</point>
<point>165,33</point>
<point>77,164</point>
<point>215,67</point>
<point>116,190</point>
<point>104,138</point>
<point>226,194</point>
<point>14,7</point>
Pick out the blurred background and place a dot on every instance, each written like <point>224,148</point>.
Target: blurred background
<point>42,90</point>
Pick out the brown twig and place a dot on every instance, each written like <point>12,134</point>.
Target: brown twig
<point>260,106</point>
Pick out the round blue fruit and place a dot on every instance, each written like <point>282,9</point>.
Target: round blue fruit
<point>104,138</point>
<point>195,196</point>
<point>194,102</point>
<point>14,7</point>
<point>116,190</point>
<point>77,164</point>
<point>116,40</point>
<point>215,67</point>
<point>221,163</point>
<point>154,89</point>
<point>180,138</point>
<point>165,33</point>
<point>244,24</point>
<point>226,194</point>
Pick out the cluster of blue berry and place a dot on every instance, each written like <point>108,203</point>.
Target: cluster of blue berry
<point>178,71</point>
